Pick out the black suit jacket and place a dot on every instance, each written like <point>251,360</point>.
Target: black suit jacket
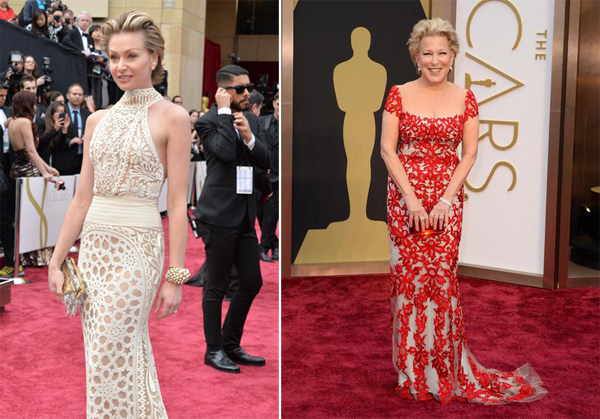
<point>9,157</point>
<point>219,203</point>
<point>64,157</point>
<point>73,39</point>
<point>40,113</point>
<point>271,139</point>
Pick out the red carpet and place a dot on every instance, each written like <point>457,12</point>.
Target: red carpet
<point>336,349</point>
<point>42,373</point>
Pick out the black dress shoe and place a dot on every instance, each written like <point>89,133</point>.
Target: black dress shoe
<point>219,361</point>
<point>275,254</point>
<point>239,356</point>
<point>264,257</point>
<point>197,280</point>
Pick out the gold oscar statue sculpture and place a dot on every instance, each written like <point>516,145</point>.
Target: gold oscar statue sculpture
<point>359,85</point>
<point>205,102</point>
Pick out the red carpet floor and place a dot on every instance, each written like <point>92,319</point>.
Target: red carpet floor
<point>42,373</point>
<point>337,363</point>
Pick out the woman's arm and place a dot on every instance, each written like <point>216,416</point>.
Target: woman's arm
<point>389,154</point>
<point>441,210</point>
<point>77,211</point>
<point>178,168</point>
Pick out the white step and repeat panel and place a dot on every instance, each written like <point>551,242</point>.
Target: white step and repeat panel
<point>505,59</point>
<point>43,209</point>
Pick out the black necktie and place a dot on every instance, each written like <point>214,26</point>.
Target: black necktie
<point>76,119</point>
<point>76,122</point>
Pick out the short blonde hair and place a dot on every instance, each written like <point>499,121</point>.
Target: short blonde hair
<point>431,27</point>
<point>138,22</point>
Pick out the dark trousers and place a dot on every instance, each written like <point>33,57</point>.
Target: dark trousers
<point>270,218</point>
<point>226,247</point>
<point>7,216</point>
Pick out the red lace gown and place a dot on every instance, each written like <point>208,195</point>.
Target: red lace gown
<point>429,342</point>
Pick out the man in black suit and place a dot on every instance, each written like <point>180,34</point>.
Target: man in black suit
<point>68,155</point>
<point>78,39</point>
<point>7,199</point>
<point>268,240</point>
<point>226,211</point>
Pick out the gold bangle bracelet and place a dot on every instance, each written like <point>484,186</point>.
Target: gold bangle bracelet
<point>177,275</point>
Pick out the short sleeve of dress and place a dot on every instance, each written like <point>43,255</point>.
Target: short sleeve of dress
<point>393,103</point>
<point>471,109</point>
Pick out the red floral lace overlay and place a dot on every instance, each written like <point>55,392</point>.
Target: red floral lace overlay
<point>429,343</point>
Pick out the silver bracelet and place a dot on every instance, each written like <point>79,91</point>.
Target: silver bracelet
<point>445,201</point>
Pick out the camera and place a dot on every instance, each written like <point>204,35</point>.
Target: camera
<point>47,70</point>
<point>14,57</point>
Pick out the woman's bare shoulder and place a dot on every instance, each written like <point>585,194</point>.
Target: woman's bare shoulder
<point>21,122</point>
<point>94,118</point>
<point>170,112</point>
<point>455,88</point>
<point>406,87</point>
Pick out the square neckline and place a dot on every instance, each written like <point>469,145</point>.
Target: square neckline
<point>460,116</point>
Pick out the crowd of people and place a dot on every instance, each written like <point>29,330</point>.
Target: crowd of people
<point>60,118</point>
<point>55,21</point>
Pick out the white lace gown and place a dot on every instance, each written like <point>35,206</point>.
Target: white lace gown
<point>121,259</point>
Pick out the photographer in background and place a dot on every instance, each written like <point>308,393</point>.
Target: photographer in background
<point>68,19</point>
<point>57,124</point>
<point>57,30</point>
<point>6,13</point>
<point>32,5</point>
<point>13,75</point>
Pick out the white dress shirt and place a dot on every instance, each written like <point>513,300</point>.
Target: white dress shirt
<point>227,111</point>
<point>84,39</point>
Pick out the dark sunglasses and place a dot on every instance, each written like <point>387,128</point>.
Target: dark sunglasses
<point>240,89</point>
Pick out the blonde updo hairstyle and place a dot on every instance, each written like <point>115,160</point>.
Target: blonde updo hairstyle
<point>138,22</point>
<point>431,27</point>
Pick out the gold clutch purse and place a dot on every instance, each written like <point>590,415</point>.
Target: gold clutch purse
<point>73,286</point>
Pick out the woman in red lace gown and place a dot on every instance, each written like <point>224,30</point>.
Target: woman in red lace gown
<point>423,124</point>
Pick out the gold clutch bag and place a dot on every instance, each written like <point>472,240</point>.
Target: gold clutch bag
<point>73,286</point>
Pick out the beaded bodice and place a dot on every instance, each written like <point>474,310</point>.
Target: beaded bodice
<point>125,159</point>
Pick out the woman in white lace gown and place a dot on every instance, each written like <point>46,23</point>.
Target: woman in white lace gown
<point>128,152</point>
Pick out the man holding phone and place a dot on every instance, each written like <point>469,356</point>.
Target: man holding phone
<point>68,156</point>
<point>226,211</point>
